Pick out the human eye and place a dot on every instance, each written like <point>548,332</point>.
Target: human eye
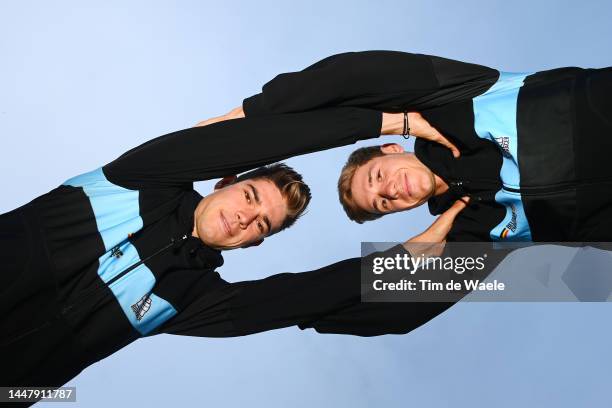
<point>247,197</point>
<point>260,227</point>
<point>384,204</point>
<point>379,176</point>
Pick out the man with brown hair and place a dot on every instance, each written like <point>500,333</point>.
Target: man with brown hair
<point>113,254</point>
<point>130,249</point>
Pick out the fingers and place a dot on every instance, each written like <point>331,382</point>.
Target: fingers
<point>210,121</point>
<point>419,247</point>
<point>444,223</point>
<point>451,146</point>
<point>235,113</point>
<point>437,232</point>
<point>447,143</point>
<point>449,215</point>
<point>420,127</point>
<point>455,209</point>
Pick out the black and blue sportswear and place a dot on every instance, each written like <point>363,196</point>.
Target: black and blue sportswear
<point>534,146</point>
<point>107,257</point>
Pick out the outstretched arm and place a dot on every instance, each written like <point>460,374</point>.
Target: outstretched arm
<point>234,146</point>
<point>389,81</point>
<point>327,299</point>
<point>392,124</point>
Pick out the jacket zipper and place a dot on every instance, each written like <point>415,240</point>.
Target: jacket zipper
<point>533,191</point>
<point>92,291</point>
<point>559,187</point>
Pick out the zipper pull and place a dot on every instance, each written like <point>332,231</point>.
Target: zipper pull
<point>460,183</point>
<point>178,242</point>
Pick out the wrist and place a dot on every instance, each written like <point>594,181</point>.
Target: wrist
<point>392,124</point>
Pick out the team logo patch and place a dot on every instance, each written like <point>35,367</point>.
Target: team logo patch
<point>504,143</point>
<point>142,306</point>
<point>511,225</point>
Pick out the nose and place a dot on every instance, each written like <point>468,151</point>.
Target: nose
<point>389,190</point>
<point>245,218</point>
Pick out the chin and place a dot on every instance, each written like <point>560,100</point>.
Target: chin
<point>209,240</point>
<point>227,247</point>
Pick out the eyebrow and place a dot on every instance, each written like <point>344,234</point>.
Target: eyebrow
<point>375,205</point>
<point>267,222</point>
<point>258,201</point>
<point>255,194</point>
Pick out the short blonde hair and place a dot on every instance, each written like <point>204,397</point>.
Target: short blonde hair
<point>357,159</point>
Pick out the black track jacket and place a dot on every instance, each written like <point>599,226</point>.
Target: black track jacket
<point>534,146</point>
<point>108,257</point>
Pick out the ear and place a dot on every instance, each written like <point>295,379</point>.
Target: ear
<point>225,181</point>
<point>389,148</point>
<point>254,244</point>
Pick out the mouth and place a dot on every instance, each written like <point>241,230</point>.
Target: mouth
<point>407,188</point>
<point>225,224</point>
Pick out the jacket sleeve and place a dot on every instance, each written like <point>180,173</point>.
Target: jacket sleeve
<point>390,81</point>
<point>234,146</point>
<point>327,299</point>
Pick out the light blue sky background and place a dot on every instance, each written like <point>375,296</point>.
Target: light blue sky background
<point>81,82</point>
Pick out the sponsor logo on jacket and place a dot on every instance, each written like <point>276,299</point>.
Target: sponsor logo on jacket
<point>511,225</point>
<point>116,252</point>
<point>141,307</point>
<point>504,143</point>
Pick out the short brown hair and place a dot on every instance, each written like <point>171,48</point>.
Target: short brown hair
<point>357,159</point>
<point>289,182</point>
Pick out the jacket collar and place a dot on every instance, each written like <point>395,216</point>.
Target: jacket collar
<point>438,159</point>
<point>210,257</point>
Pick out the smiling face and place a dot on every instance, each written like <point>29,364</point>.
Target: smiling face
<point>395,181</point>
<point>240,214</point>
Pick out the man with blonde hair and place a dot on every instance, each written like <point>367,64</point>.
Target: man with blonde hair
<point>533,146</point>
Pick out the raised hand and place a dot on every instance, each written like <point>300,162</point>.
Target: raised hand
<point>431,242</point>
<point>393,124</point>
